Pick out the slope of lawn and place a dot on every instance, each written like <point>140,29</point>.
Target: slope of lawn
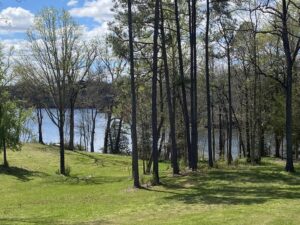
<point>98,191</point>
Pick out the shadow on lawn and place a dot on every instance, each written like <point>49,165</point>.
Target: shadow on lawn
<point>100,161</point>
<point>233,187</point>
<point>39,220</point>
<point>20,173</point>
<point>46,221</point>
<point>87,180</point>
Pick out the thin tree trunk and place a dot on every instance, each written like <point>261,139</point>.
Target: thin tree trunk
<point>194,133</point>
<point>247,126</point>
<point>182,80</point>
<point>207,76</point>
<point>221,145</point>
<point>169,100</point>
<point>296,150</point>
<point>289,73</point>
<point>5,162</point>
<point>72,125</point>
<point>117,144</point>
<point>39,114</point>
<point>61,144</point>
<point>213,133</point>
<point>262,143</point>
<point>107,132</point>
<point>282,149</point>
<point>229,154</point>
<point>111,143</point>
<point>162,140</point>
<point>94,116</point>
<point>277,146</point>
<point>135,162</point>
<point>154,96</point>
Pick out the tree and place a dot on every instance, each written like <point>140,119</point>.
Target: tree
<point>82,57</point>
<point>171,112</point>
<point>209,125</point>
<point>54,43</point>
<point>226,24</point>
<point>12,117</point>
<point>182,82</point>
<point>154,96</point>
<point>135,165</point>
<point>282,23</point>
<point>193,78</point>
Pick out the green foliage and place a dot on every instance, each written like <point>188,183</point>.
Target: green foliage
<point>12,117</point>
<point>12,120</point>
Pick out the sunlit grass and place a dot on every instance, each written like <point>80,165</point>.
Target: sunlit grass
<point>99,191</point>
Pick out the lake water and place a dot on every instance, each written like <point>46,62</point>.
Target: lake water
<point>50,130</point>
<point>51,135</point>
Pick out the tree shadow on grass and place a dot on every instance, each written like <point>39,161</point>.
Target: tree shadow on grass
<point>39,220</point>
<point>20,173</point>
<point>46,221</point>
<point>102,162</point>
<point>88,180</point>
<point>233,187</point>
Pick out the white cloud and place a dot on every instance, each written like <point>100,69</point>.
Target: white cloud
<point>99,10</point>
<point>72,3</point>
<point>17,44</point>
<point>13,20</point>
<point>96,32</point>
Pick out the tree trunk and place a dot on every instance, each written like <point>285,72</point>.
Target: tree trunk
<point>262,143</point>
<point>182,81</point>
<point>296,150</point>
<point>135,162</point>
<point>62,144</point>
<point>111,143</point>
<point>277,145</point>
<point>213,133</point>
<point>162,140</point>
<point>207,76</point>
<point>154,96</point>
<point>247,126</point>
<point>107,131</point>
<point>289,73</point>
<point>169,100</point>
<point>39,115</point>
<point>221,141</point>
<point>282,149</point>
<point>118,138</point>
<point>5,162</point>
<point>72,124</point>
<point>195,95</point>
<point>229,154</point>
<point>94,116</point>
<point>193,79</point>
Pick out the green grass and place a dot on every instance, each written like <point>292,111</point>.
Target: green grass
<point>99,191</point>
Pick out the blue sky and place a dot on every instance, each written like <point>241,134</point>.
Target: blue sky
<point>16,16</point>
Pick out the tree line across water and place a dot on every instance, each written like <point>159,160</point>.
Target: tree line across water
<point>167,68</point>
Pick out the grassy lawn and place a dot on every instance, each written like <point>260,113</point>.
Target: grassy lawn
<point>98,191</point>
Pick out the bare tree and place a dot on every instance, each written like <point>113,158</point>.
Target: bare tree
<point>55,48</point>
<point>81,64</point>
